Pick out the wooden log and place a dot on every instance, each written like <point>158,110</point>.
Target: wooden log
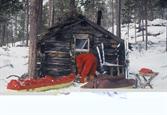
<point>50,52</point>
<point>38,66</point>
<point>58,59</point>
<point>57,66</point>
<point>66,62</point>
<point>60,64</point>
<point>57,45</point>
<point>58,74</point>
<point>63,40</point>
<point>55,70</point>
<point>54,53</point>
<point>56,40</point>
<point>66,51</point>
<point>62,48</point>
<point>50,55</point>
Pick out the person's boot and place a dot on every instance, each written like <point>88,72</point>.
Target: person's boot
<point>83,80</point>
<point>91,77</point>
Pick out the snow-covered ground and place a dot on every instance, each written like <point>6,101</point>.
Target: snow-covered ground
<point>13,60</point>
<point>155,57</point>
<point>86,103</point>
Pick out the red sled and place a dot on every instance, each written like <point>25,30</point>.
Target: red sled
<point>42,84</point>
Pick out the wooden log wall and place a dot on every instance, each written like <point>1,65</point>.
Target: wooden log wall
<point>57,60</point>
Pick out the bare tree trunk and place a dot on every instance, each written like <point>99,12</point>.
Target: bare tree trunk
<point>34,14</point>
<point>146,10</point>
<point>27,21</point>
<point>135,32</point>
<point>40,6</point>
<point>151,10</point>
<point>51,13</point>
<point>3,34</point>
<point>7,35</point>
<point>16,24</point>
<point>118,18</point>
<point>12,41</point>
<point>139,14</point>
<point>73,10</point>
<point>62,7</point>
<point>146,34</point>
<point>113,16</point>
<point>142,27</point>
<point>162,13</point>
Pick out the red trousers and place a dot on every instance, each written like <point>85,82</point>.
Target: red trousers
<point>86,65</point>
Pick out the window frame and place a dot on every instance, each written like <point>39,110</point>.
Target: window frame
<point>88,42</point>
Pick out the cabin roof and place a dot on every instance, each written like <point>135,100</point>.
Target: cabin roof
<point>70,22</point>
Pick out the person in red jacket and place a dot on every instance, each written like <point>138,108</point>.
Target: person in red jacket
<point>86,66</point>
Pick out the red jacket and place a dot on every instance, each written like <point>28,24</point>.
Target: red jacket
<point>85,63</point>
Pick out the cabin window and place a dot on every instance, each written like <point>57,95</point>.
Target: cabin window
<point>81,42</point>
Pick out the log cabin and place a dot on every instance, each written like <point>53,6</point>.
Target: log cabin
<point>59,46</point>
